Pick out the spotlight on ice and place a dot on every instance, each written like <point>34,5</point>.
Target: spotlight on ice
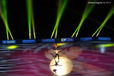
<point>12,47</point>
<point>63,68</point>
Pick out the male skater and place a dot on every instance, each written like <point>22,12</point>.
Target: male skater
<point>56,54</point>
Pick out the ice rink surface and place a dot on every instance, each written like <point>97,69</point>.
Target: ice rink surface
<point>32,60</point>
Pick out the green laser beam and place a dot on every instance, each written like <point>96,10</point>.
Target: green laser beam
<point>106,19</point>
<point>29,16</point>
<point>4,18</point>
<point>97,30</point>
<point>59,16</point>
<point>59,8</point>
<point>75,31</point>
<point>111,12</point>
<point>56,32</point>
<point>5,15</point>
<point>5,23</point>
<point>33,26</point>
<point>33,23</point>
<point>87,11</point>
<point>80,21</point>
<point>4,8</point>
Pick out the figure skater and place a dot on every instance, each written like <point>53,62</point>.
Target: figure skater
<point>56,54</point>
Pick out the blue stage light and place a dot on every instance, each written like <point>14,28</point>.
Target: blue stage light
<point>104,38</point>
<point>67,40</point>
<point>86,39</point>
<point>8,41</point>
<point>47,40</point>
<point>28,41</point>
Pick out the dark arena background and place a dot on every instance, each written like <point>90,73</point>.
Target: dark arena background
<point>56,38</point>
